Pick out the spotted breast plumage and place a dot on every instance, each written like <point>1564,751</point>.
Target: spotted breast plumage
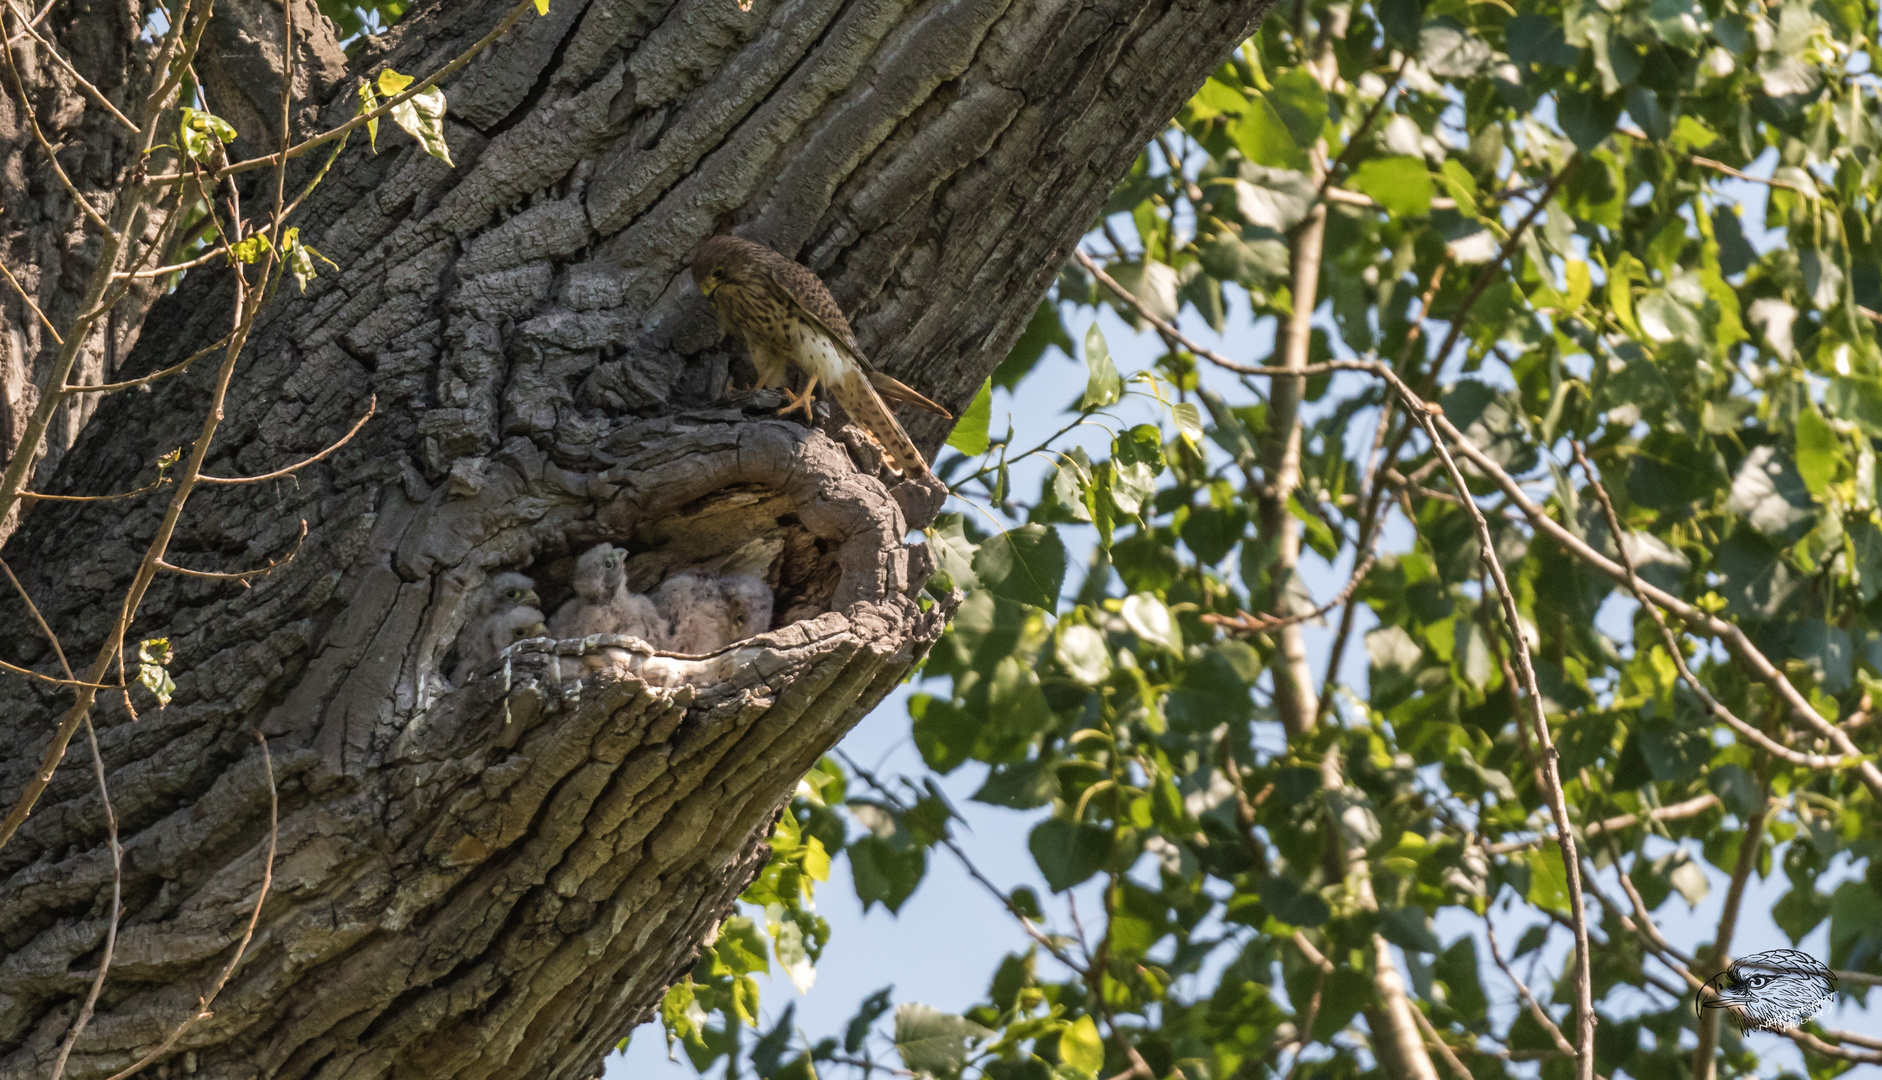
<point>787,317</point>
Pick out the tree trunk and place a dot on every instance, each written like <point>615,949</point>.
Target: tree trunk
<point>500,878</point>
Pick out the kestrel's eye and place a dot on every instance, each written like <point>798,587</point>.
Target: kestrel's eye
<point>513,594</point>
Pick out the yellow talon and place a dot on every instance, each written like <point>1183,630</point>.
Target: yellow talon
<point>800,401</point>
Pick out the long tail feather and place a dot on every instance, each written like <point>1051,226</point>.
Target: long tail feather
<point>895,390</point>
<point>867,408</point>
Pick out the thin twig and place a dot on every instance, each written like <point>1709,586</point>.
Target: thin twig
<point>84,84</point>
<point>174,369</point>
<point>1529,1000</point>
<point>41,496</point>
<point>1733,637</point>
<point>240,575</point>
<point>1676,812</point>
<point>393,102</point>
<point>1365,125</point>
<point>1437,1042</point>
<point>267,879</point>
<point>1671,641</point>
<point>24,295</point>
<point>1551,762</point>
<point>117,902</point>
<point>371,405</point>
<point>1245,623</point>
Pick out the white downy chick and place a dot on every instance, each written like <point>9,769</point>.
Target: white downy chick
<point>484,639</point>
<point>503,592</point>
<point>750,602</point>
<point>698,615</point>
<point>600,594</point>
<point>636,616</point>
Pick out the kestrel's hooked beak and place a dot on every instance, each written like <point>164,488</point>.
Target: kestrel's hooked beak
<point>529,599</point>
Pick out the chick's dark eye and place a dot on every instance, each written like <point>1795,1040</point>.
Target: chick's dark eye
<point>514,594</point>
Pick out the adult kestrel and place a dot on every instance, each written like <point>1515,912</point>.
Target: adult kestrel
<point>786,317</point>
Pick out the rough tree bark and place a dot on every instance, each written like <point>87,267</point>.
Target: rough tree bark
<point>500,878</point>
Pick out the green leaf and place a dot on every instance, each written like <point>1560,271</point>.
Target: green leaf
<point>1666,319</point>
<point>1587,118</point>
<point>1294,905</point>
<point>1068,854</point>
<point>970,432</point>
<point>1800,911</point>
<point>368,101</point>
<point>1043,331</point>
<point>1102,387</point>
<point>932,1042</point>
<point>1276,199</point>
<point>200,133</point>
<point>953,552</point>
<point>1548,881</point>
<point>421,115</point>
<point>745,999</point>
<point>153,673</point>
<point>1080,1045</point>
<point>1150,620</point>
<point>1154,284</point>
<point>1026,564</point>
<point>1400,184</point>
<point>1264,139</point>
<point>251,249</point>
<point>1770,495</point>
<point>883,873</point>
<point>1188,422</point>
<point>1818,451</point>
<point>1401,19</point>
<point>867,1014</point>
<point>1410,928</point>
<point>1081,651</point>
<point>741,947</point>
<point>1449,50</point>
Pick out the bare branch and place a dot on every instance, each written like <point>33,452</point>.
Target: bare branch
<point>1676,812</point>
<point>84,84</point>
<point>1522,991</point>
<point>267,879</point>
<point>1437,1043</point>
<point>393,102</point>
<point>371,405</point>
<point>46,147</point>
<point>174,369</point>
<point>1246,623</point>
<point>1551,764</point>
<point>43,497</point>
<point>117,903</point>
<point>240,575</point>
<point>24,295</point>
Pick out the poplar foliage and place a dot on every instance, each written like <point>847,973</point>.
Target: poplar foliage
<point>1647,226</point>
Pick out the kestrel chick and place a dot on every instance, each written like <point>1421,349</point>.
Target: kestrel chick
<point>603,604</point>
<point>489,635</point>
<point>750,602</point>
<point>503,592</point>
<point>698,615</point>
<point>600,586</point>
<point>786,317</point>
